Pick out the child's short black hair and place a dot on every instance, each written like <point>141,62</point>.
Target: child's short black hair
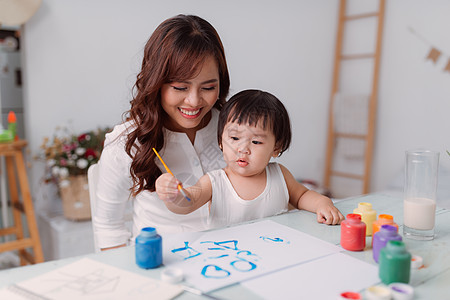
<point>254,107</point>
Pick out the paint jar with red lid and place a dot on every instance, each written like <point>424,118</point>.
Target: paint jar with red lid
<point>353,233</point>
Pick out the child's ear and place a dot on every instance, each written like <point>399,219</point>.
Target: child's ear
<point>276,152</point>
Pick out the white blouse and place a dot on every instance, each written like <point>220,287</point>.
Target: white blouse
<point>188,163</point>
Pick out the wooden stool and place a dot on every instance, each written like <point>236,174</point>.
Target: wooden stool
<point>12,152</point>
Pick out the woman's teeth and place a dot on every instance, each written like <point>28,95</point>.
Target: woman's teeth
<point>190,112</point>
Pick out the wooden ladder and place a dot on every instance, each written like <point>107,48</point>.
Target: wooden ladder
<point>18,186</point>
<point>368,136</point>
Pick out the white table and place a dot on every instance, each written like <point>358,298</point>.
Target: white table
<point>430,282</point>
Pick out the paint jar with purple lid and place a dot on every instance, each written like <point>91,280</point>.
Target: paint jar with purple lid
<point>148,248</point>
<point>385,234</point>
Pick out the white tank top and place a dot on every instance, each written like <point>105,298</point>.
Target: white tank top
<point>228,208</point>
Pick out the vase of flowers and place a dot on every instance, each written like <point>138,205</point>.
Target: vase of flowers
<point>68,157</point>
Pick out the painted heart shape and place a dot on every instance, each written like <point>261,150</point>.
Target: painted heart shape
<point>213,271</point>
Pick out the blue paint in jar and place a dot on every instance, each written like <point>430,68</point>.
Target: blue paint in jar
<point>148,248</point>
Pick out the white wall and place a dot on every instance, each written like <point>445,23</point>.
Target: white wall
<point>81,59</point>
<point>414,94</point>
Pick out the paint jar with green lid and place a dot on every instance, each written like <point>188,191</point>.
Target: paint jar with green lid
<point>395,263</point>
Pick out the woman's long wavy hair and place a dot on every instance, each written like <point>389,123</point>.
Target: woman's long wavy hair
<point>175,52</point>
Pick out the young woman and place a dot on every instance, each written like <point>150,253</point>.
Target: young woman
<point>182,86</point>
<point>253,127</point>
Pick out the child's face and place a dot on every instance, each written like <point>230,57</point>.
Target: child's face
<point>247,149</point>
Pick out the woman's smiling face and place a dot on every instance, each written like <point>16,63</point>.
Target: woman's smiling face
<point>188,102</point>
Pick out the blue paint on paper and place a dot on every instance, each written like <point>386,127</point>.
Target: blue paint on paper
<point>217,273</point>
<point>217,257</point>
<point>186,252</point>
<point>229,258</point>
<point>232,244</point>
<point>273,240</point>
<point>247,254</point>
<point>276,240</point>
<point>243,265</point>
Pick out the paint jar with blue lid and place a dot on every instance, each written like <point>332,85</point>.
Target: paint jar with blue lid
<point>148,248</point>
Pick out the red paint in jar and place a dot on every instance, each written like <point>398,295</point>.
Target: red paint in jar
<point>351,295</point>
<point>353,233</point>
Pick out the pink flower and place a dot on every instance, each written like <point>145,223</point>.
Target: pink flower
<point>66,148</point>
<point>69,147</point>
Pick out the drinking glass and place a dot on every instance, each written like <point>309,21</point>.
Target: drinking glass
<point>419,204</point>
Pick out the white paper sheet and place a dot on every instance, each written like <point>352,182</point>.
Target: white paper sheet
<point>324,278</point>
<point>89,279</point>
<point>6,294</point>
<point>219,258</point>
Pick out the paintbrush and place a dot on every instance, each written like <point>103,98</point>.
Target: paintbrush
<point>180,187</point>
<point>199,293</point>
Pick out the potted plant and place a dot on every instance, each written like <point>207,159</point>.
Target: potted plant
<point>68,157</point>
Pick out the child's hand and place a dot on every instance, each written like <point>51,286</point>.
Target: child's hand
<point>167,187</point>
<point>329,214</point>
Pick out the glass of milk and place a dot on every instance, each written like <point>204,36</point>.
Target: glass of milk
<point>419,203</point>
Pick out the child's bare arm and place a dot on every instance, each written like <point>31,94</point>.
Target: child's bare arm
<point>302,198</point>
<point>167,190</point>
